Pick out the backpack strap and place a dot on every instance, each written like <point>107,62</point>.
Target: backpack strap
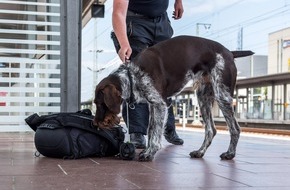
<point>35,120</point>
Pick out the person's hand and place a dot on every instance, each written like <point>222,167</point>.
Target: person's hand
<point>178,10</point>
<point>125,53</point>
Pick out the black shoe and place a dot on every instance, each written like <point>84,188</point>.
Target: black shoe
<point>138,140</point>
<point>172,137</point>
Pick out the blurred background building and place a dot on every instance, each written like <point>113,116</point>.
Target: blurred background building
<point>54,52</point>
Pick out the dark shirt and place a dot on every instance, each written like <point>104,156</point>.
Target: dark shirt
<point>150,8</point>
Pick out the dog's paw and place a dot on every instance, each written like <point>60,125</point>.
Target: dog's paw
<point>145,157</point>
<point>196,154</point>
<point>227,155</point>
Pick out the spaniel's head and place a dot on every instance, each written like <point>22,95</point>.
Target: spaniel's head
<point>108,101</point>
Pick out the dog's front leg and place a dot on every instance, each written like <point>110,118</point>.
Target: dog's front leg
<point>157,120</point>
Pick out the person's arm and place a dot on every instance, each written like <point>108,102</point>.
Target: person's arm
<point>178,9</point>
<point>119,26</point>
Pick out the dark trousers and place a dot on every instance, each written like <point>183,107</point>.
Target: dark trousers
<point>139,117</point>
<point>144,32</point>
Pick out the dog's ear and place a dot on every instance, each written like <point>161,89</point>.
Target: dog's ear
<point>112,98</point>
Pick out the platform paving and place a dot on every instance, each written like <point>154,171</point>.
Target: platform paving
<point>262,163</point>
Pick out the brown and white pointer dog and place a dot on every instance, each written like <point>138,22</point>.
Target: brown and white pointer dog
<point>162,71</point>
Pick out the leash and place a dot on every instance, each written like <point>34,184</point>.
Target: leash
<point>131,100</point>
<point>128,122</point>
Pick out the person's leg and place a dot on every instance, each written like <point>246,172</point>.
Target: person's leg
<point>169,131</point>
<point>139,115</point>
<point>137,122</point>
<point>135,118</point>
<point>140,35</point>
<point>140,38</point>
<point>164,31</point>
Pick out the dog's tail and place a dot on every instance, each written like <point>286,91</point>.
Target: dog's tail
<point>242,53</point>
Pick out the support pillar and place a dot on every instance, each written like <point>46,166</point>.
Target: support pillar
<point>70,58</point>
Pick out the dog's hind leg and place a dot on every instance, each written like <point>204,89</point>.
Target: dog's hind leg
<point>205,96</point>
<point>224,79</point>
<point>157,120</point>
<point>225,103</point>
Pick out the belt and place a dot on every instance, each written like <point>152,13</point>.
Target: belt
<point>134,14</point>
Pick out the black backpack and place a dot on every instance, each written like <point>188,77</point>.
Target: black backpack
<point>72,135</point>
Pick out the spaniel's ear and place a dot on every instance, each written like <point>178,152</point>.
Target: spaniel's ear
<point>112,98</point>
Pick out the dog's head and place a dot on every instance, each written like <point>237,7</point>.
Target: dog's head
<point>108,101</point>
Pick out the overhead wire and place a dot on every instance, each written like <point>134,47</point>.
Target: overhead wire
<point>227,31</point>
<point>251,21</point>
<point>192,23</point>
